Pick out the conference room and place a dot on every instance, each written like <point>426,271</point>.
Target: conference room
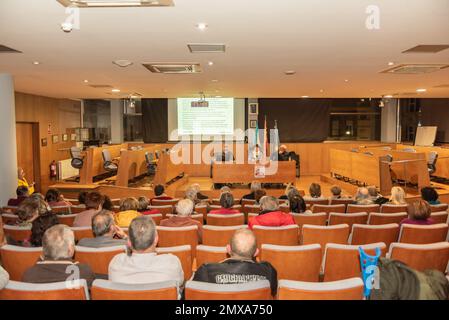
<point>224,150</point>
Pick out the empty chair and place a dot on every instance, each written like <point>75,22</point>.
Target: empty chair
<point>219,236</point>
<point>108,165</point>
<point>77,159</point>
<point>421,256</point>
<point>184,254</point>
<point>164,210</point>
<point>67,219</point>
<point>17,233</point>
<point>300,263</point>
<point>316,219</point>
<point>97,258</point>
<point>9,218</point>
<point>325,234</point>
<point>349,289</point>
<point>366,234</point>
<point>432,162</point>
<point>44,291</point>
<point>210,254</point>
<point>82,232</point>
<point>285,235</point>
<point>339,208</point>
<point>356,208</point>
<point>439,207</point>
<point>348,218</point>
<point>343,261</point>
<point>159,202</point>
<point>16,260</point>
<point>255,290</point>
<point>386,218</point>
<point>439,217</point>
<point>226,219</point>
<point>411,233</point>
<point>108,290</point>
<point>392,208</point>
<point>178,236</point>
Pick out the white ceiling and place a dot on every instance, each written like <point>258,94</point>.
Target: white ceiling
<point>325,41</point>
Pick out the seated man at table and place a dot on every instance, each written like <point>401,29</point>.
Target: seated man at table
<point>94,204</point>
<point>183,218</point>
<point>105,231</point>
<point>57,265</point>
<point>226,202</point>
<point>270,215</point>
<point>241,267</point>
<point>159,192</point>
<point>282,154</point>
<point>224,156</point>
<point>22,194</point>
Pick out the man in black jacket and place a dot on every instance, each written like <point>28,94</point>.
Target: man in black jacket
<point>241,267</point>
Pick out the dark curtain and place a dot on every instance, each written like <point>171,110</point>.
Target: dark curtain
<point>155,120</point>
<point>299,120</point>
<point>435,112</point>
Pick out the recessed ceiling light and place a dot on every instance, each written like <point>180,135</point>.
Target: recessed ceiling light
<point>388,96</point>
<point>346,80</point>
<point>421,90</point>
<point>115,90</point>
<point>304,96</point>
<point>391,63</point>
<point>36,63</point>
<point>290,72</point>
<point>86,81</point>
<point>210,63</point>
<point>202,26</point>
<point>214,80</point>
<point>321,90</point>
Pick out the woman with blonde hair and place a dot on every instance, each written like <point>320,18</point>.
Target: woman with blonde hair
<point>397,196</point>
<point>128,211</point>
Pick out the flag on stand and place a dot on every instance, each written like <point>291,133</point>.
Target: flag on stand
<point>265,139</point>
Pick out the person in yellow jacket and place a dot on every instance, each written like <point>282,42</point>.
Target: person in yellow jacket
<point>128,211</point>
<point>23,182</point>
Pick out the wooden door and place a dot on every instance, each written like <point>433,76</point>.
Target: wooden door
<point>27,151</point>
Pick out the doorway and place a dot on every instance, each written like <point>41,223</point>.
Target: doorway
<point>27,139</point>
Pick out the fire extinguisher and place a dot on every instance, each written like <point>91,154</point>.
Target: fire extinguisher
<point>53,170</point>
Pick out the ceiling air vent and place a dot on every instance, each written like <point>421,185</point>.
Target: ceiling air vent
<point>6,49</point>
<point>427,48</point>
<point>173,68</point>
<point>116,3</point>
<point>100,86</point>
<point>207,47</point>
<point>415,68</point>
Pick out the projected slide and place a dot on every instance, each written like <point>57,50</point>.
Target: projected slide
<point>215,119</point>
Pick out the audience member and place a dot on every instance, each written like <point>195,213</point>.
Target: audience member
<point>289,187</point>
<point>106,233</point>
<point>259,194</point>
<point>315,193</point>
<point>225,189</point>
<point>56,264</point>
<point>226,202</point>
<point>362,197</point>
<point>107,203</point>
<point>29,210</point>
<point>270,214</point>
<point>199,195</point>
<point>94,204</point>
<point>255,185</point>
<point>4,278</point>
<point>22,181</point>
<point>336,192</point>
<point>143,207</point>
<point>418,213</point>
<point>159,192</point>
<point>376,198</point>
<point>297,204</point>
<point>141,264</point>
<point>22,194</point>
<point>184,210</point>
<point>82,197</point>
<point>430,195</point>
<point>39,226</point>
<point>54,198</point>
<point>241,267</point>
<point>128,211</point>
<point>397,196</point>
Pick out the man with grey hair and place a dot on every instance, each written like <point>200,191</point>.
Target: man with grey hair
<point>56,264</point>
<point>270,215</point>
<point>255,185</point>
<point>141,264</point>
<point>362,197</point>
<point>375,196</point>
<point>242,266</point>
<point>183,218</point>
<point>106,232</point>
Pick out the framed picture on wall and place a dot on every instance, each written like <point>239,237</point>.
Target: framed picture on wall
<point>65,137</point>
<point>44,142</point>
<point>55,138</point>
<point>73,137</point>
<point>253,124</point>
<point>253,108</point>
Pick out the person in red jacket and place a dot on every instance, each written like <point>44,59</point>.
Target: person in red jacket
<point>270,215</point>
<point>226,202</point>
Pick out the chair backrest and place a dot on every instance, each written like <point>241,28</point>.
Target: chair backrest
<point>343,261</point>
<point>325,234</point>
<point>284,208</point>
<point>67,219</point>
<point>341,201</point>
<point>225,219</point>
<point>75,153</point>
<point>157,217</point>
<point>15,290</point>
<point>348,218</point>
<point>82,232</point>
<point>184,254</point>
<point>159,202</point>
<point>393,208</point>
<point>366,234</point>
<point>106,156</point>
<point>10,209</point>
<point>108,290</point>
<point>219,236</point>
<point>419,234</point>
<point>61,210</point>
<point>349,289</point>
<point>422,256</point>
<point>255,290</point>
<point>210,254</point>
<point>164,210</point>
<point>196,217</point>
<point>17,233</point>
<point>251,208</point>
<point>78,208</point>
<point>317,219</point>
<point>439,207</point>
<point>355,208</point>
<point>246,202</point>
<point>439,217</point>
<point>16,260</point>
<point>285,235</point>
<point>98,258</point>
<point>340,208</point>
<point>386,218</point>
<point>9,218</point>
<point>313,202</point>
<point>301,263</point>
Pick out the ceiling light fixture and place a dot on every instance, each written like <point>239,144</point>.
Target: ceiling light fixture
<point>304,97</point>
<point>421,90</point>
<point>36,63</point>
<point>210,63</point>
<point>388,96</point>
<point>391,63</point>
<point>86,81</point>
<point>202,26</point>
<point>115,90</point>
<point>122,63</point>
<point>289,72</point>
<point>346,80</point>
